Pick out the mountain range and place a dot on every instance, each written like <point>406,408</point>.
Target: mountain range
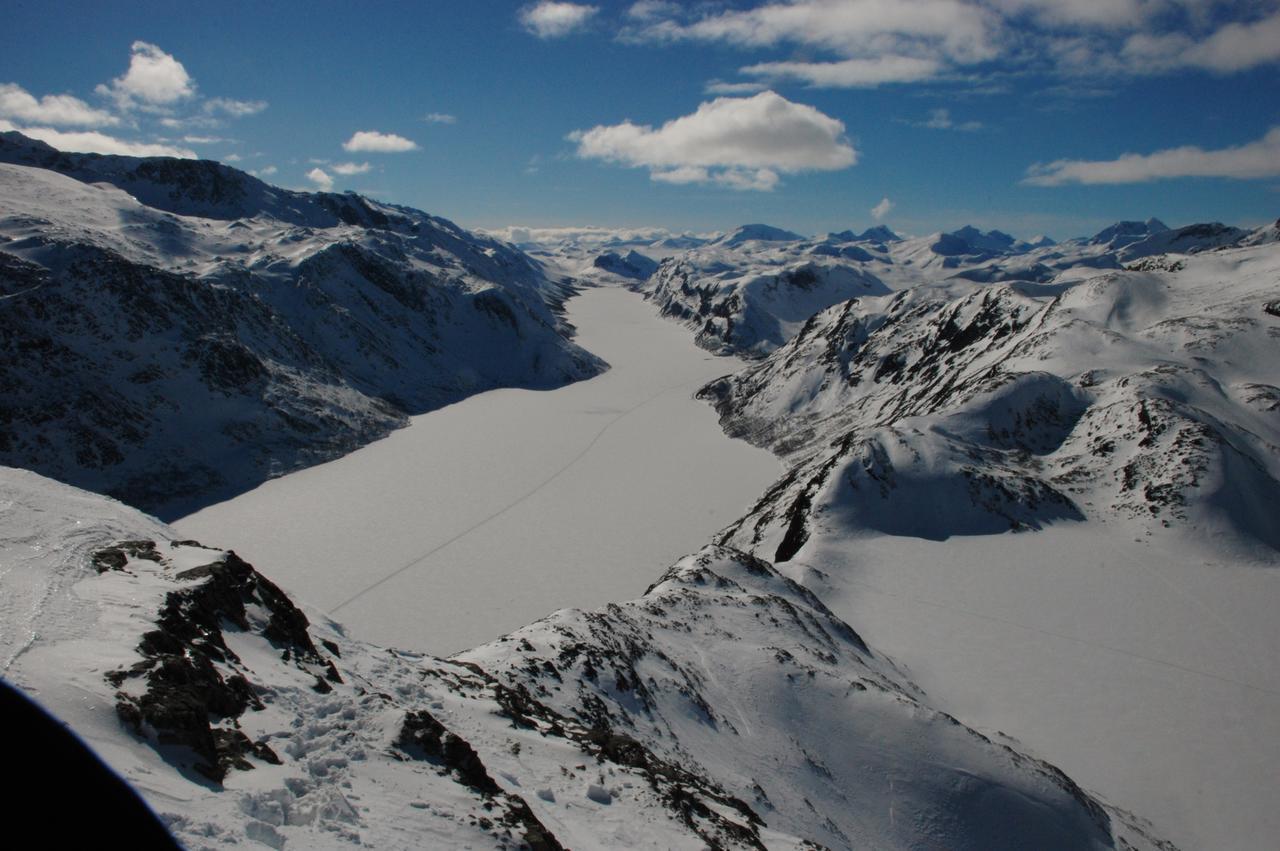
<point>1026,521</point>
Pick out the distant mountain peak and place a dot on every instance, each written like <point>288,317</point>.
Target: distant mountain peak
<point>761,232</point>
<point>879,233</point>
<point>1123,233</point>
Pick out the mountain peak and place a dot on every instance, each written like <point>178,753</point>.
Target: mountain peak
<point>762,232</point>
<point>879,233</point>
<point>1123,233</point>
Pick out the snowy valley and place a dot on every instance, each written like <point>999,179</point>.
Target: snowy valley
<point>1005,577</point>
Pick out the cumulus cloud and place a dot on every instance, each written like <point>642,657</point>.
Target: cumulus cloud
<point>234,108</point>
<point>440,118</point>
<point>549,19</point>
<point>1259,159</point>
<point>380,143</point>
<point>17,103</point>
<point>265,171</point>
<point>350,168</point>
<point>879,211</point>
<point>321,179</point>
<point>154,79</point>
<point>742,143</point>
<point>95,142</point>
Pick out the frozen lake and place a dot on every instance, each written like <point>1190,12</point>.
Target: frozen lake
<point>483,516</point>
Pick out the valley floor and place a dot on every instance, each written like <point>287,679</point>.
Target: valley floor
<point>1145,671</point>
<point>485,515</point>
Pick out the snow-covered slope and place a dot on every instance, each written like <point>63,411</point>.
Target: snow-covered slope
<point>1148,396</point>
<point>727,707</point>
<point>1126,424</point>
<point>175,331</point>
<point>740,294</point>
<point>750,291</point>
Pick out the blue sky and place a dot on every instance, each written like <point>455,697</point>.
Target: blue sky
<point>1033,116</point>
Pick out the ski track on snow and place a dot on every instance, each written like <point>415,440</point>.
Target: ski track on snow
<point>509,506</point>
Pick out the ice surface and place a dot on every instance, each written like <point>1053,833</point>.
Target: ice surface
<point>487,514</point>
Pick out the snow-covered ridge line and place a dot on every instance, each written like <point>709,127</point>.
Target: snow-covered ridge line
<point>751,290</point>
<point>700,714</point>
<point>177,331</point>
<point>1124,421</point>
<point>1143,396</point>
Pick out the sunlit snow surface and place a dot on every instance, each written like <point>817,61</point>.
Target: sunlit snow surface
<point>487,514</point>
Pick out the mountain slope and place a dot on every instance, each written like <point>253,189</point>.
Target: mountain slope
<point>748,295</point>
<point>172,359</point>
<point>1055,504</point>
<point>699,715</point>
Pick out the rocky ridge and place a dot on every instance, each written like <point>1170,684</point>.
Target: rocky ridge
<point>659,722</point>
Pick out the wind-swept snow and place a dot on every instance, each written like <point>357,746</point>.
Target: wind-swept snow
<point>489,513</point>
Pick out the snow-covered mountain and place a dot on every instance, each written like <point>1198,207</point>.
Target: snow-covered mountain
<point>701,715</point>
<point>1146,396</point>
<point>1125,422</point>
<point>750,291</point>
<point>176,331</point>
<point>740,294</point>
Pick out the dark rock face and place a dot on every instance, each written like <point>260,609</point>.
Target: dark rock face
<point>191,675</point>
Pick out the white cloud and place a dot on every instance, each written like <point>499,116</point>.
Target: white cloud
<point>851,73</point>
<point>940,119</point>
<point>1087,13</point>
<point>719,87</point>
<point>549,19</point>
<point>192,122</point>
<point>865,43</point>
<point>879,211</point>
<point>380,143</point>
<point>232,158</point>
<point>154,79</point>
<point>952,30</point>
<point>94,142</point>
<point>234,108</point>
<point>682,174</point>
<point>265,171</point>
<point>205,140</point>
<point>320,179</point>
<point>649,10</point>
<point>350,168</point>
<point>440,118</point>
<point>738,142</point>
<point>17,103</point>
<point>1233,47</point>
<point>1260,159</point>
